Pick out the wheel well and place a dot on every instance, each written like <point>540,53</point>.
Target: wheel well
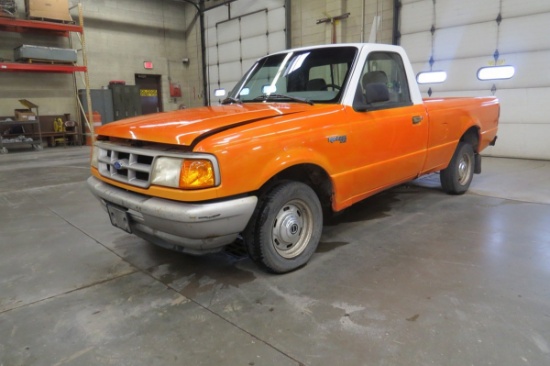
<point>471,136</point>
<point>310,174</point>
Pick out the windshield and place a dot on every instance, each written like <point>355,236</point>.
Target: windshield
<point>317,75</point>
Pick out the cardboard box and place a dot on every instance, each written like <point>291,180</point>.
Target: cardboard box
<point>48,9</point>
<point>24,115</point>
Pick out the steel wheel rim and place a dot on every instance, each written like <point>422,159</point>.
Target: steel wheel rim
<point>464,169</point>
<point>292,229</point>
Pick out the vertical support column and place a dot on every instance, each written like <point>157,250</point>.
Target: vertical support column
<point>90,118</point>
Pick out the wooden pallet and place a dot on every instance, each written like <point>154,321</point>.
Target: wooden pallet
<point>59,21</point>
<point>3,14</point>
<point>43,61</point>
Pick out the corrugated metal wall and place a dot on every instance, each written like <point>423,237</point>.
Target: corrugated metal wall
<point>465,36</point>
<point>237,35</point>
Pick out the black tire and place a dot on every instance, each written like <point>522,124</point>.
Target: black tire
<point>285,230</point>
<point>456,178</point>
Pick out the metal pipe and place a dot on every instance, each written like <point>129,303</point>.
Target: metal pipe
<point>396,36</point>
<point>200,10</point>
<point>363,22</point>
<point>203,56</point>
<point>288,25</point>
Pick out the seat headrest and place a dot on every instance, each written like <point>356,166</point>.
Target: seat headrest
<point>376,92</point>
<point>316,84</point>
<point>374,77</point>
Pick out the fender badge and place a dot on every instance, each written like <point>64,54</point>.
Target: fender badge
<point>340,139</point>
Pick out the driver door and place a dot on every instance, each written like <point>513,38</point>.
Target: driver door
<point>389,132</point>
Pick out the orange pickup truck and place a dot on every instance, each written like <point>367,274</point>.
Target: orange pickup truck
<point>305,133</point>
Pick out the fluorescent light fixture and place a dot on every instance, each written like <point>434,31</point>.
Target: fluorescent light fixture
<point>431,77</point>
<point>219,92</point>
<point>245,91</point>
<point>496,72</point>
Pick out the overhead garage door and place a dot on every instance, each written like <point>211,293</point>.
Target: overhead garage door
<point>470,34</point>
<point>237,35</point>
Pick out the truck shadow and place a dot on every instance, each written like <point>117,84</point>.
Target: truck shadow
<point>196,276</point>
<point>381,204</point>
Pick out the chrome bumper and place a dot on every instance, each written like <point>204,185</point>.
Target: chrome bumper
<point>195,228</point>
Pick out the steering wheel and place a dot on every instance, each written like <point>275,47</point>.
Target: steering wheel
<point>334,86</point>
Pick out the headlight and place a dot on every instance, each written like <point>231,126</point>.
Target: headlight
<point>166,172</point>
<point>95,153</point>
<point>183,173</point>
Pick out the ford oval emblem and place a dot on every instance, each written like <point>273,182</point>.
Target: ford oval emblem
<point>117,165</point>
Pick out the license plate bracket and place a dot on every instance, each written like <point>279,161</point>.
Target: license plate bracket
<point>119,218</point>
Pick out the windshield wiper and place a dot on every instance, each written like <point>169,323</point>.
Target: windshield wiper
<point>266,97</point>
<point>231,100</point>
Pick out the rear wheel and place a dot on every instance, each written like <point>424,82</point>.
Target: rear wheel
<point>456,178</point>
<point>284,232</point>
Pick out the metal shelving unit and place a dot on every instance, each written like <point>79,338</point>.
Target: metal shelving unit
<point>35,139</point>
<point>55,68</point>
<point>58,30</point>
<point>24,137</point>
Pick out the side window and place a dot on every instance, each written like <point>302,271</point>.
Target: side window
<point>383,83</point>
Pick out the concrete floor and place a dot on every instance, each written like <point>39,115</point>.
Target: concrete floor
<point>409,277</point>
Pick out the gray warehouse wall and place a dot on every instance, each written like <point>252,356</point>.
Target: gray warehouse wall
<point>122,34</point>
<point>355,28</point>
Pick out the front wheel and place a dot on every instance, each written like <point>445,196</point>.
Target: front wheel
<point>456,178</point>
<point>284,232</point>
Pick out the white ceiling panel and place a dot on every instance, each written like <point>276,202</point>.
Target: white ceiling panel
<point>466,37</point>
<point>214,75</point>
<point>458,13</point>
<point>254,47</point>
<point>256,28</point>
<point>419,46</point>
<point>228,31</point>
<point>212,56</point>
<point>276,41</point>
<point>211,37</point>
<point>517,141</point>
<point>465,41</point>
<point>241,7</point>
<point>462,74</point>
<point>215,15</point>
<point>247,64</point>
<point>523,34</point>
<point>528,105</point>
<point>230,71</point>
<point>276,20</point>
<point>254,25</point>
<point>229,52</point>
<point>516,8</point>
<point>416,17</point>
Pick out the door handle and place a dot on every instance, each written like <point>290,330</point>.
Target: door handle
<point>417,119</point>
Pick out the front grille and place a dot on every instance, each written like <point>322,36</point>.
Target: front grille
<point>134,165</point>
<point>126,164</point>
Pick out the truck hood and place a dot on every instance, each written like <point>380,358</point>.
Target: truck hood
<point>182,127</point>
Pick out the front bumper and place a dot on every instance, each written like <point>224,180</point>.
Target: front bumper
<point>195,228</point>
